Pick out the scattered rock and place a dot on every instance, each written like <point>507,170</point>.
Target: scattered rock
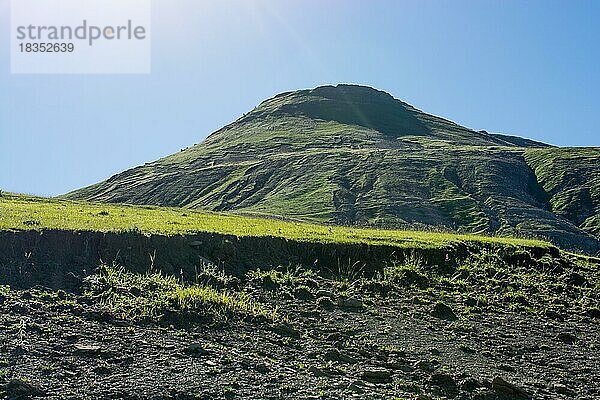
<point>286,330</point>
<point>470,384</point>
<point>325,302</point>
<point>335,355</point>
<point>428,366</point>
<point>19,389</point>
<point>567,338</point>
<point>323,372</point>
<point>356,387</point>
<point>445,382</point>
<point>233,283</point>
<point>471,302</point>
<point>303,293</point>
<point>378,375</point>
<point>88,350</point>
<point>196,350</point>
<point>442,311</point>
<point>563,389</point>
<point>576,279</point>
<point>507,368</point>
<point>503,387</point>
<point>352,303</point>
<point>325,293</point>
<point>593,313</point>
<point>554,315</point>
<point>262,368</point>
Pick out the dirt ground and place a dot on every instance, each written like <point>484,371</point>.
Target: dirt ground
<point>359,344</point>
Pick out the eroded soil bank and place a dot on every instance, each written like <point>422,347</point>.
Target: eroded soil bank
<point>61,258</point>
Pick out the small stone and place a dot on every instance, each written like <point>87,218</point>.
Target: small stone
<point>196,350</point>
<point>334,337</point>
<point>303,293</point>
<point>470,385</point>
<point>567,338</point>
<point>470,302</point>
<point>262,368</point>
<point>445,382</point>
<point>442,311</point>
<point>335,355</point>
<point>554,315</point>
<point>316,371</point>
<point>467,349</point>
<point>593,313</point>
<point>325,293</point>
<point>351,303</point>
<point>428,366</point>
<point>356,387</point>
<point>377,375</point>
<point>286,330</point>
<point>102,370</point>
<point>576,279</point>
<point>503,387</point>
<point>325,302</point>
<point>87,349</point>
<point>18,389</point>
<point>26,296</point>
<point>563,389</point>
<point>311,283</point>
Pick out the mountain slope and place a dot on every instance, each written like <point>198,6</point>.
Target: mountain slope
<point>354,155</point>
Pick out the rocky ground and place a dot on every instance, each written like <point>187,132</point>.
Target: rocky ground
<point>411,334</point>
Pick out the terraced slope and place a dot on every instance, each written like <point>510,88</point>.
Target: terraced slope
<point>353,155</point>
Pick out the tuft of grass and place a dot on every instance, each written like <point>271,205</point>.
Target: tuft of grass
<point>137,297</point>
<point>290,276</point>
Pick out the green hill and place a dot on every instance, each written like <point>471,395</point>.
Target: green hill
<point>353,155</point>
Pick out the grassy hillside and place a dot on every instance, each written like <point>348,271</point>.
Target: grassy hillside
<point>356,156</point>
<point>571,177</point>
<point>18,212</point>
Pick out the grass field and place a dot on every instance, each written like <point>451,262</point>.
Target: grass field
<point>19,212</point>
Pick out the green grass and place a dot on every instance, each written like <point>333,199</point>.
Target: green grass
<point>139,296</point>
<point>19,212</point>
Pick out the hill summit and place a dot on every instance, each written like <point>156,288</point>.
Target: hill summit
<point>353,155</point>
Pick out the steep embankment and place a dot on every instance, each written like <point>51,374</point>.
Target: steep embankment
<point>43,240</point>
<point>356,156</point>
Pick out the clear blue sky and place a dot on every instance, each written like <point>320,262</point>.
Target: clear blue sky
<point>524,68</point>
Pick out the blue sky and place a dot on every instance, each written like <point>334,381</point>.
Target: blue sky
<point>524,68</point>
